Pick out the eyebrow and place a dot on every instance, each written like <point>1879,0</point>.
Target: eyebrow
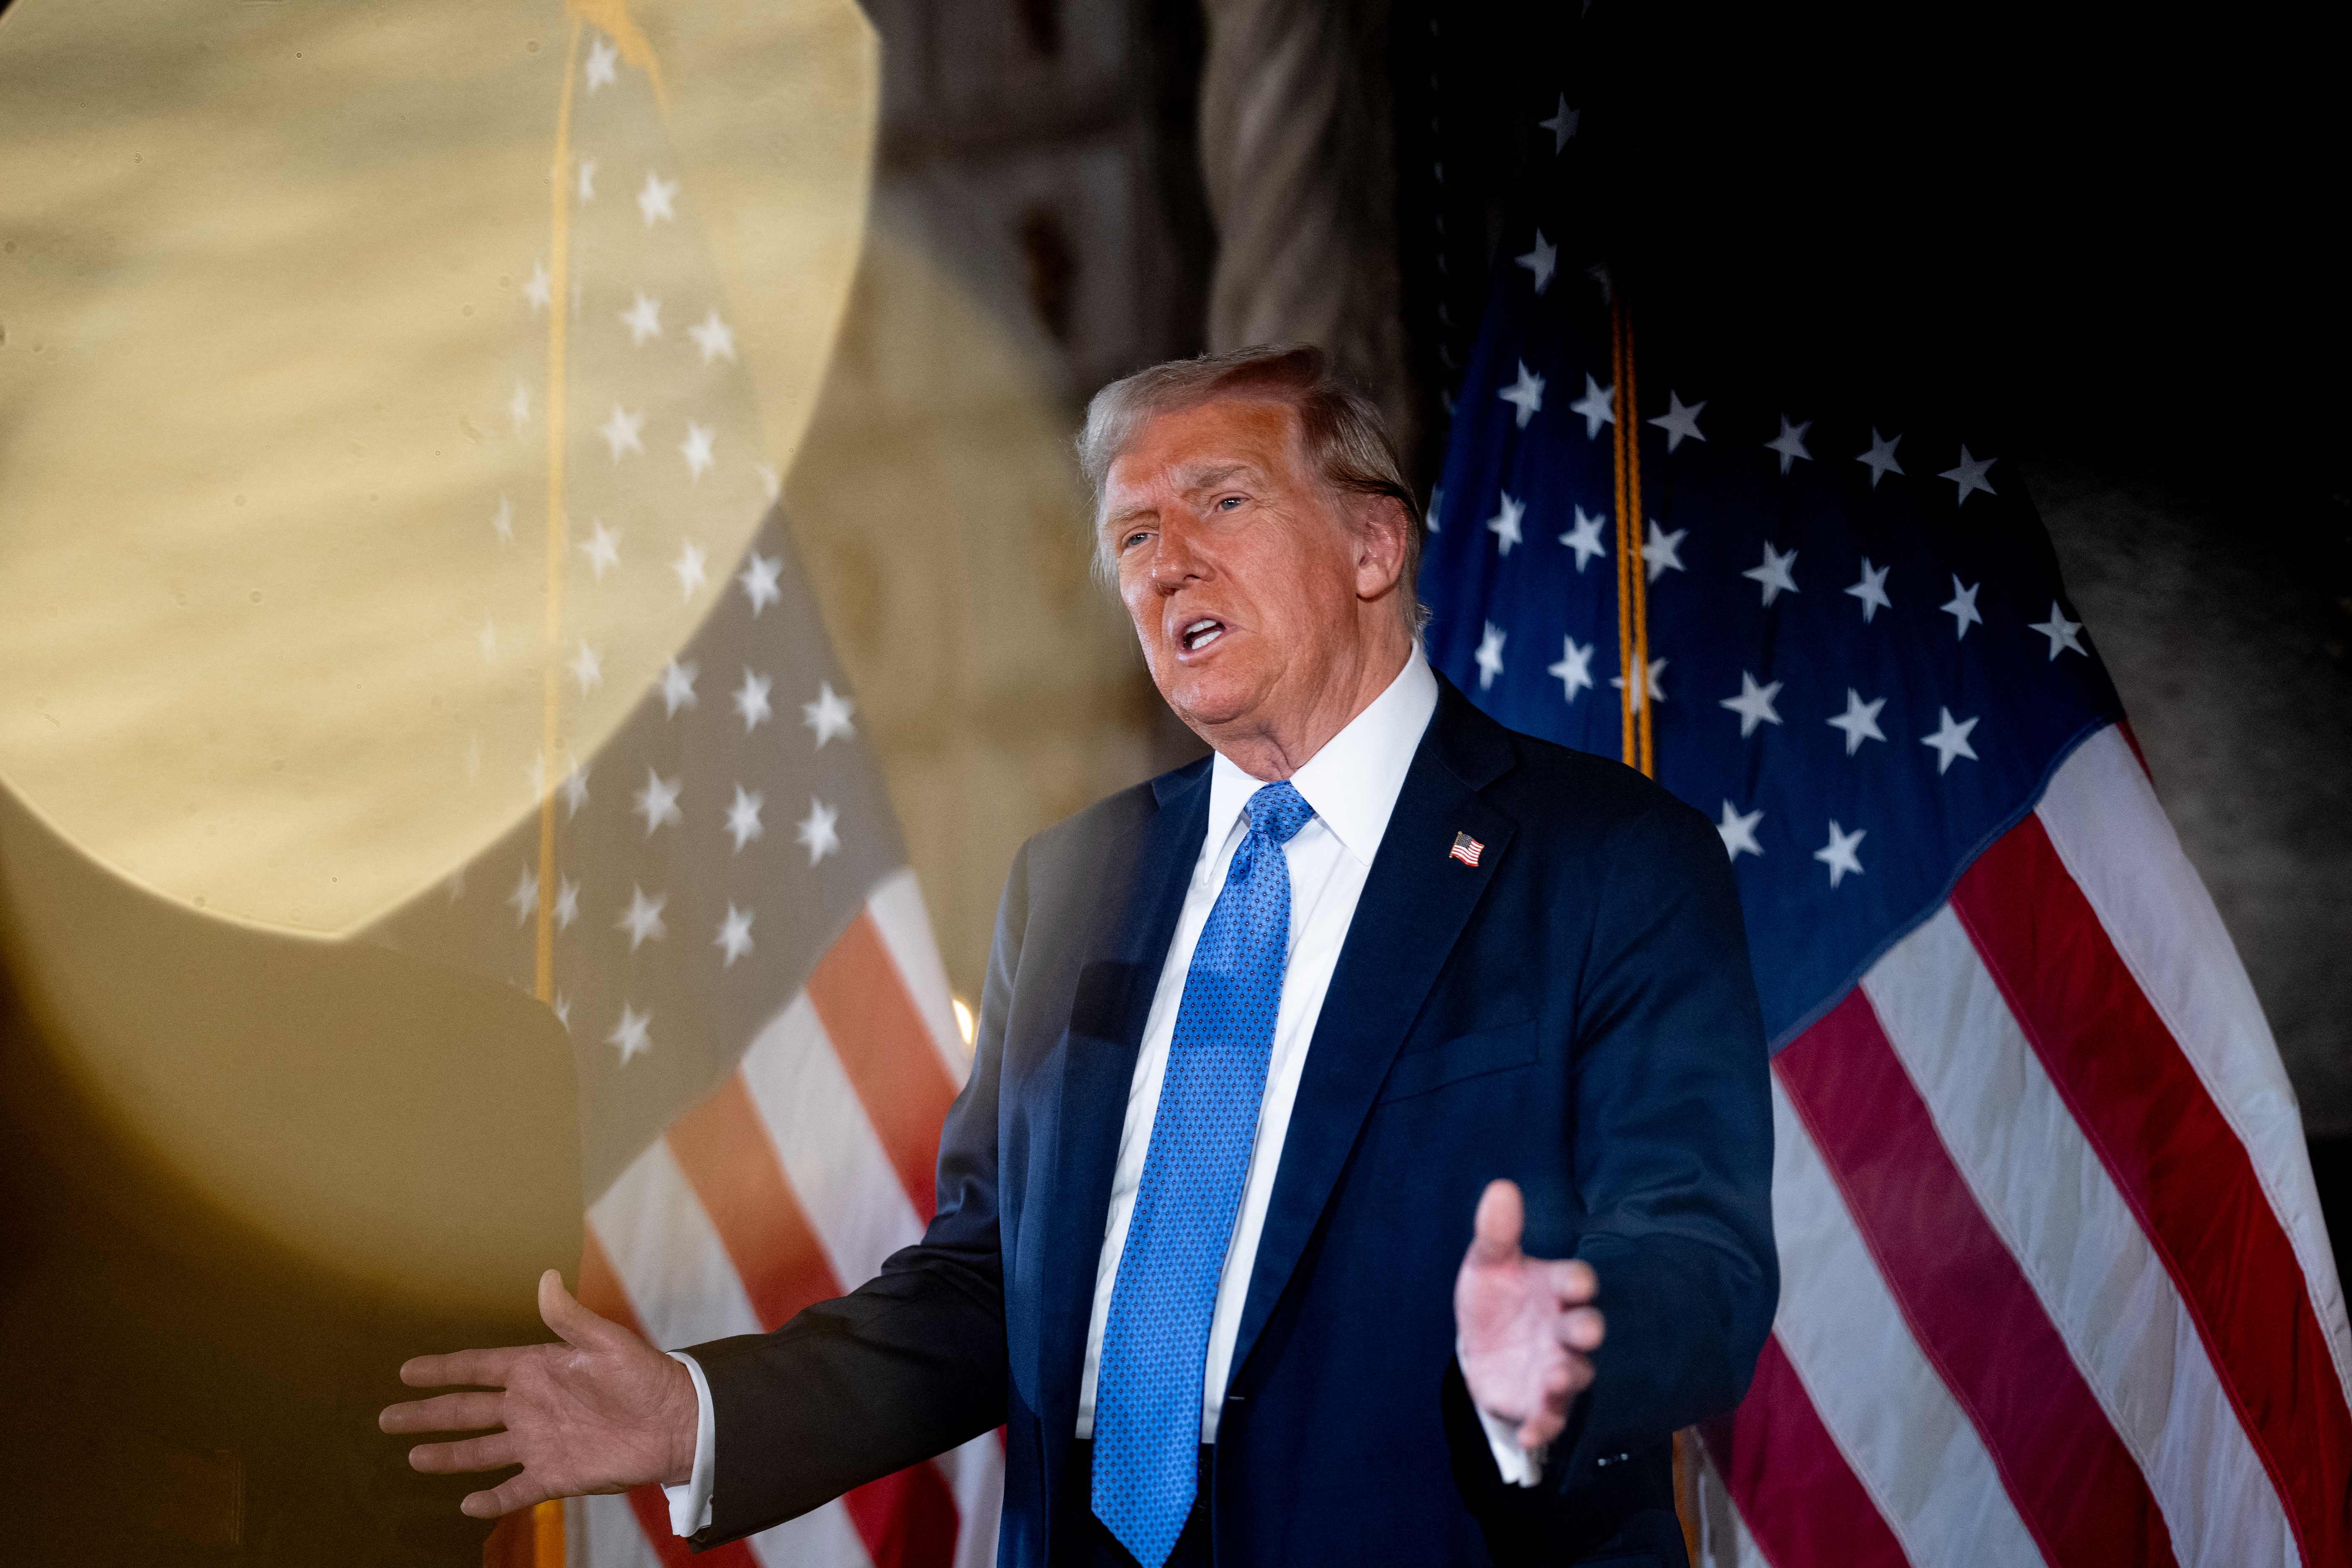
<point>1191,482</point>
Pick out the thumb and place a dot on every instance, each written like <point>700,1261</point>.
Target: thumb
<point>1502,1214</point>
<point>575,1324</point>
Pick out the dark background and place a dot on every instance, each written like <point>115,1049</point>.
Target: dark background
<point>2107,232</point>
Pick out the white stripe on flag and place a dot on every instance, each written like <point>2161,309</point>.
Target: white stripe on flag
<point>2111,834</point>
<point>614,1538</point>
<point>831,1155</point>
<point>975,1475</point>
<point>2044,1190</point>
<point>1723,1538</point>
<point>1882,1403</point>
<point>896,906</point>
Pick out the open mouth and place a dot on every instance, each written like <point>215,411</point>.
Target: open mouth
<point>1199,634</point>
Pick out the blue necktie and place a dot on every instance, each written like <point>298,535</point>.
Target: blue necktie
<point>1156,1341</point>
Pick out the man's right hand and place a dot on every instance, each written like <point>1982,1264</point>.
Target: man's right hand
<point>602,1412</point>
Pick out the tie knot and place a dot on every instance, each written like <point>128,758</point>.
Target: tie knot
<point>1276,812</point>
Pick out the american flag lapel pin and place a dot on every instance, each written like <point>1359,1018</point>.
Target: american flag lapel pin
<point>1466,849</point>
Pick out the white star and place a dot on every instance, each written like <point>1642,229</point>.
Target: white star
<point>518,406</point>
<point>603,549</point>
<point>575,790</point>
<point>1505,524</point>
<point>771,480</point>
<point>1838,854</point>
<point>657,802</point>
<point>1880,458</point>
<point>1774,572</point>
<point>502,519</point>
<point>1598,406</point>
<point>1562,125</point>
<point>654,201</point>
<point>630,1034</point>
<point>540,287</point>
<point>1598,273</point>
<point>642,320</point>
<point>1872,590</point>
<point>2060,632</point>
<point>620,432</point>
<point>456,884</point>
<point>1962,607</point>
<point>1585,538</point>
<point>525,897</point>
<point>602,57</point>
<point>759,579</point>
<point>1754,704</point>
<point>714,337</point>
<point>1969,475</point>
<point>1436,508</point>
<point>829,714</point>
<point>537,773</point>
<point>562,1008</point>
<point>1657,682</point>
<point>644,920</point>
<point>1790,443</point>
<point>1664,553</point>
<point>688,567</point>
<point>743,817</point>
<point>567,902</point>
<point>734,934</point>
<point>1541,261</point>
<point>1860,720</point>
<point>1680,421</point>
<point>1574,670</point>
<point>587,186</point>
<point>1950,740</point>
<point>1739,831</point>
<point>488,637</point>
<point>1526,394</point>
<point>1489,657</point>
<point>678,687</point>
<point>816,831</point>
<point>695,447</point>
<point>751,700</point>
<point>587,669</point>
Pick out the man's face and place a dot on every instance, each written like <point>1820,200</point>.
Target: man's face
<point>1246,581</point>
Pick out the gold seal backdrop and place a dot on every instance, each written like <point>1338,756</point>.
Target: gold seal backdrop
<point>265,669</point>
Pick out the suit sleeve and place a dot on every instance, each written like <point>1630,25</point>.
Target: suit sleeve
<point>907,1365</point>
<point>1673,1147</point>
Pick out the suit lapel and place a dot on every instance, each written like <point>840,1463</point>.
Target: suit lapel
<point>1415,901</point>
<point>1112,1004</point>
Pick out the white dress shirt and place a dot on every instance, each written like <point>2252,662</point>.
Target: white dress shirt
<point>1352,786</point>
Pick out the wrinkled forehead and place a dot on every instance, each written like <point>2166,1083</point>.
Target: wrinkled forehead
<point>1201,445</point>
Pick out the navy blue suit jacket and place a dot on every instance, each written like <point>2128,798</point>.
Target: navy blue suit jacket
<point>1575,1013</point>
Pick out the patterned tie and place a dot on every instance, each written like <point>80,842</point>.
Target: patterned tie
<point>1156,1341</point>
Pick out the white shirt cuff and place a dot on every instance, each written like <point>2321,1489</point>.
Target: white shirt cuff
<point>690,1505</point>
<point>1519,1467</point>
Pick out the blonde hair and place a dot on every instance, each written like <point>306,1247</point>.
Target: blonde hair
<point>1339,428</point>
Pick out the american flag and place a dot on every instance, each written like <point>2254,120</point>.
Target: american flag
<point>713,900</point>
<point>2055,1282</point>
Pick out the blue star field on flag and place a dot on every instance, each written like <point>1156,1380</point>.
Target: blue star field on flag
<point>1861,662</point>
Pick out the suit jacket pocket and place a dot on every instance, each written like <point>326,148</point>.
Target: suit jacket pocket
<point>1474,1055</point>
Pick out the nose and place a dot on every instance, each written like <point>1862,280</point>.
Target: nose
<point>1177,561</point>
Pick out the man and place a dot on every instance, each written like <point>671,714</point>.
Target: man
<point>1287,1061</point>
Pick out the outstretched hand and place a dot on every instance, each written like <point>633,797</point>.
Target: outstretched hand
<point>1527,1325</point>
<point>601,1412</point>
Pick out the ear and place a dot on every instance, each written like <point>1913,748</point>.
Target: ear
<point>1382,525</point>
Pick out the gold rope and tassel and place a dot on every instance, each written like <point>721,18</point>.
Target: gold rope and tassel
<point>1633,584</point>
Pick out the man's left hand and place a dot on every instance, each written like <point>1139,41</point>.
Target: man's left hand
<point>1526,1326</point>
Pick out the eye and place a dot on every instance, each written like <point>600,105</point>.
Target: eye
<point>1131,539</point>
<point>1227,503</point>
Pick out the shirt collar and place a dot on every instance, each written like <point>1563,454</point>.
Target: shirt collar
<point>1353,782</point>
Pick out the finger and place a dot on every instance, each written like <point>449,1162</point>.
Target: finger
<point>1501,1217</point>
<point>1541,1427</point>
<point>578,1327</point>
<point>1581,1328</point>
<point>444,1413</point>
<point>513,1493</point>
<point>486,1369</point>
<point>1573,1280</point>
<point>469,1454</point>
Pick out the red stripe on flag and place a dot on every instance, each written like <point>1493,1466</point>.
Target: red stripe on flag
<point>886,1050</point>
<point>723,1147</point>
<point>1797,1495</point>
<point>908,1519</point>
<point>1971,1308</point>
<point>2178,1163</point>
<point>600,1292</point>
